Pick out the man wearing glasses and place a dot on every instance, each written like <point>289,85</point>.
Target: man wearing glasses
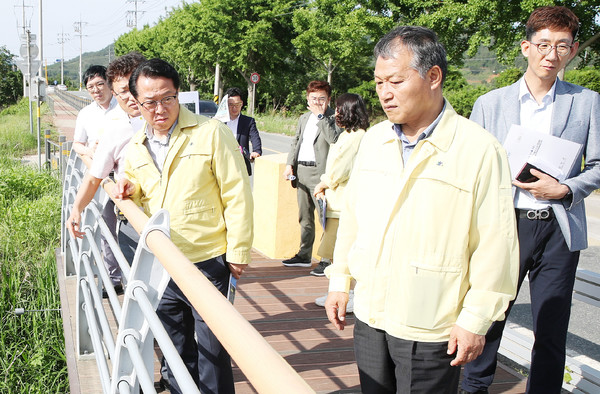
<point>550,215</point>
<point>243,127</point>
<point>90,120</point>
<point>306,162</point>
<point>190,165</point>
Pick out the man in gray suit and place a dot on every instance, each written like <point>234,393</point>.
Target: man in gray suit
<point>550,214</point>
<point>306,161</point>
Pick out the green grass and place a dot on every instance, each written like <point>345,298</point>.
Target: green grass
<point>276,123</point>
<point>32,356</point>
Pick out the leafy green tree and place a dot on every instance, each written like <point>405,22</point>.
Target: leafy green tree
<point>465,25</point>
<point>11,80</point>
<point>335,34</point>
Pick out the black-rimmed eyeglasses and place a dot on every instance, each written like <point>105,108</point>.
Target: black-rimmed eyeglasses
<point>151,105</point>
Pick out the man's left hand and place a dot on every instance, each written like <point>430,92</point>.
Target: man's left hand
<point>254,155</point>
<point>237,269</point>
<point>468,346</point>
<point>545,188</point>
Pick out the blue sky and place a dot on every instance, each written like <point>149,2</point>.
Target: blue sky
<point>103,21</point>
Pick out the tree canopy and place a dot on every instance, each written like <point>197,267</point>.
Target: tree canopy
<point>290,42</point>
<point>11,80</point>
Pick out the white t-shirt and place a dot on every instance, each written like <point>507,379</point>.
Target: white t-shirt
<point>112,146</point>
<point>89,125</point>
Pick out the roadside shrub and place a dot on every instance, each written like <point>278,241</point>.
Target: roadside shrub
<point>462,100</point>
<point>587,77</point>
<point>507,77</point>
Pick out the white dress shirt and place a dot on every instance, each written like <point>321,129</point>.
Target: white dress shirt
<point>537,117</point>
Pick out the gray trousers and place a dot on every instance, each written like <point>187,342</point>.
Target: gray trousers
<point>308,177</point>
<point>387,364</point>
<point>126,237</point>
<point>110,261</point>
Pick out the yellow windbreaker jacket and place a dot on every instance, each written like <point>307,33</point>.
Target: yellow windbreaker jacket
<point>431,244</point>
<point>204,186</point>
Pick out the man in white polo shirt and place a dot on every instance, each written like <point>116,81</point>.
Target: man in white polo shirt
<point>89,125</point>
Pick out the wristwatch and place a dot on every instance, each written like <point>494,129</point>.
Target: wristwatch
<point>320,116</point>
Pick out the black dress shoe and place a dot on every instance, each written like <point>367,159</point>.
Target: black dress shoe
<point>462,391</point>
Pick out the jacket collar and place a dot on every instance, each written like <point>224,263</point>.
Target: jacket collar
<point>563,100</point>
<point>440,141</point>
<point>186,119</point>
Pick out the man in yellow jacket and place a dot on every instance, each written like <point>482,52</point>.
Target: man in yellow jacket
<point>190,165</point>
<point>427,229</point>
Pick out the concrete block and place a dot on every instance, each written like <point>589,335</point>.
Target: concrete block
<point>276,228</point>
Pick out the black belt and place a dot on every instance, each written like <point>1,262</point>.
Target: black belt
<point>535,214</point>
<point>308,163</point>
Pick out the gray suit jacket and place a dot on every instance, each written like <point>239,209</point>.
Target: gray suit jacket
<point>328,132</point>
<point>575,117</point>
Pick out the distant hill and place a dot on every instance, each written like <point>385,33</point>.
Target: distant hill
<point>71,72</point>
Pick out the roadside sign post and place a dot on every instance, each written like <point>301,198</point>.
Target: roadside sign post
<point>254,78</point>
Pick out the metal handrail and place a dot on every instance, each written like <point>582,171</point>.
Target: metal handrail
<point>156,259</point>
<point>74,101</point>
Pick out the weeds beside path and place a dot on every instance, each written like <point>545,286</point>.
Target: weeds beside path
<point>32,356</point>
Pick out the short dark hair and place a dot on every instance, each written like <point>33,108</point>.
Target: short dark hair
<point>313,86</point>
<point>93,72</point>
<point>351,112</point>
<point>153,68</point>
<point>556,18</point>
<point>123,66</point>
<point>422,42</point>
<point>232,92</point>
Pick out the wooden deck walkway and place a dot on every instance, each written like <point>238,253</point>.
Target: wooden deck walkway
<point>279,302</point>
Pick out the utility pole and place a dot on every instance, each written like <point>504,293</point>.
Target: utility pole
<point>41,44</point>
<point>133,22</point>
<point>61,41</point>
<point>25,26</point>
<point>40,88</point>
<point>29,79</point>
<point>79,29</point>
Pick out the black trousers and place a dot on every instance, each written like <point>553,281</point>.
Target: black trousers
<point>387,364</point>
<point>207,360</point>
<point>551,267</point>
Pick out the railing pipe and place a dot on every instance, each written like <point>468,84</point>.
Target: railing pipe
<point>124,387</point>
<point>91,319</point>
<point>273,372</point>
<point>114,246</point>
<point>63,156</point>
<point>178,368</point>
<point>103,272</point>
<point>97,302</point>
<point>146,381</point>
